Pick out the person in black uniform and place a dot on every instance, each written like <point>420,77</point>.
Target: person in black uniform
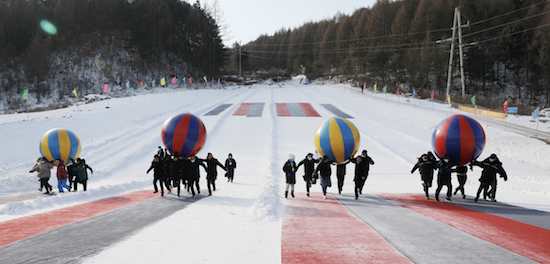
<point>212,172</point>
<point>426,166</point>
<point>359,175</point>
<point>290,173</point>
<point>491,166</point>
<point>461,176</point>
<point>176,172</point>
<point>368,161</point>
<point>309,167</point>
<point>444,177</point>
<point>157,168</point>
<point>193,173</point>
<point>230,165</point>
<point>324,169</point>
<point>341,174</point>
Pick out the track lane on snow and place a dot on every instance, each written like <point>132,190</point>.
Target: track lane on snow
<point>74,242</point>
<point>422,239</point>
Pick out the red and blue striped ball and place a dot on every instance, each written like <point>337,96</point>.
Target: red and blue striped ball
<point>460,137</point>
<point>183,133</point>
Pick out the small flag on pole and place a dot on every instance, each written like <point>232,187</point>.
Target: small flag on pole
<point>535,113</point>
<point>397,93</point>
<point>75,94</point>
<point>128,85</point>
<point>141,84</point>
<point>163,82</point>
<point>174,80</point>
<point>385,89</point>
<point>474,100</point>
<point>105,88</point>
<point>153,82</point>
<point>205,80</point>
<point>364,85</point>
<point>26,94</point>
<point>505,106</point>
<point>448,100</point>
<point>432,97</point>
<point>414,93</point>
<point>218,81</point>
<point>190,80</point>
<point>375,85</point>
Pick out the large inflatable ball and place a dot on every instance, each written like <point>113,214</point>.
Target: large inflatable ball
<point>460,137</point>
<point>59,143</point>
<point>337,138</point>
<point>183,133</point>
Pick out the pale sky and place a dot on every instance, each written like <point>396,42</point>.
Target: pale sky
<point>248,19</point>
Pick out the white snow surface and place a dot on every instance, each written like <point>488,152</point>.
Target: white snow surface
<point>241,222</point>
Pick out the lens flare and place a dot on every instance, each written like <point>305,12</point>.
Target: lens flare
<point>48,27</point>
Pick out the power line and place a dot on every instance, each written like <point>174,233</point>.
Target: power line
<point>505,14</point>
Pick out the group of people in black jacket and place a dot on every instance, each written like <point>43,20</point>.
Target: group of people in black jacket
<point>491,166</point>
<point>311,173</point>
<point>172,171</point>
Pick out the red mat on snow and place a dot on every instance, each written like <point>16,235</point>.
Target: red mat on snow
<point>324,231</point>
<point>18,229</point>
<point>243,109</point>
<point>529,241</point>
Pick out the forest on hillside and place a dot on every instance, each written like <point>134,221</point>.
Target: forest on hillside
<point>506,47</point>
<point>99,41</point>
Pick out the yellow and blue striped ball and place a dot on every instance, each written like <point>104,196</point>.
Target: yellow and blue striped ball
<point>337,138</point>
<point>59,143</point>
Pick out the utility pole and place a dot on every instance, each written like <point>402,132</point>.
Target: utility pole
<point>240,59</point>
<point>456,25</point>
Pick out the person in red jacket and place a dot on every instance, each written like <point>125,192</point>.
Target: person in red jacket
<point>62,177</point>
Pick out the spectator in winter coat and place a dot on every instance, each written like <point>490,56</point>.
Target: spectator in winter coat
<point>426,166</point>
<point>158,171</point>
<point>444,177</point>
<point>230,165</point>
<point>290,172</point>
<point>461,176</point>
<point>368,161</point>
<point>43,168</point>
<point>62,177</point>
<point>324,169</point>
<point>491,166</point>
<point>309,168</point>
<point>212,172</point>
<point>193,173</point>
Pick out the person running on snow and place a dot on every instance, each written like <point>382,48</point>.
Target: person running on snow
<point>309,168</point>
<point>341,174</point>
<point>368,161</point>
<point>81,173</point>
<point>491,166</point>
<point>158,171</point>
<point>62,177</point>
<point>193,173</point>
<point>359,175</point>
<point>324,169</point>
<point>161,153</point>
<point>176,172</point>
<point>444,177</point>
<point>230,165</point>
<point>426,166</point>
<point>290,173</point>
<point>461,176</point>
<point>43,168</point>
<point>212,172</point>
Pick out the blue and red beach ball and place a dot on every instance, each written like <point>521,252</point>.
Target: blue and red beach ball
<point>184,134</point>
<point>460,137</point>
